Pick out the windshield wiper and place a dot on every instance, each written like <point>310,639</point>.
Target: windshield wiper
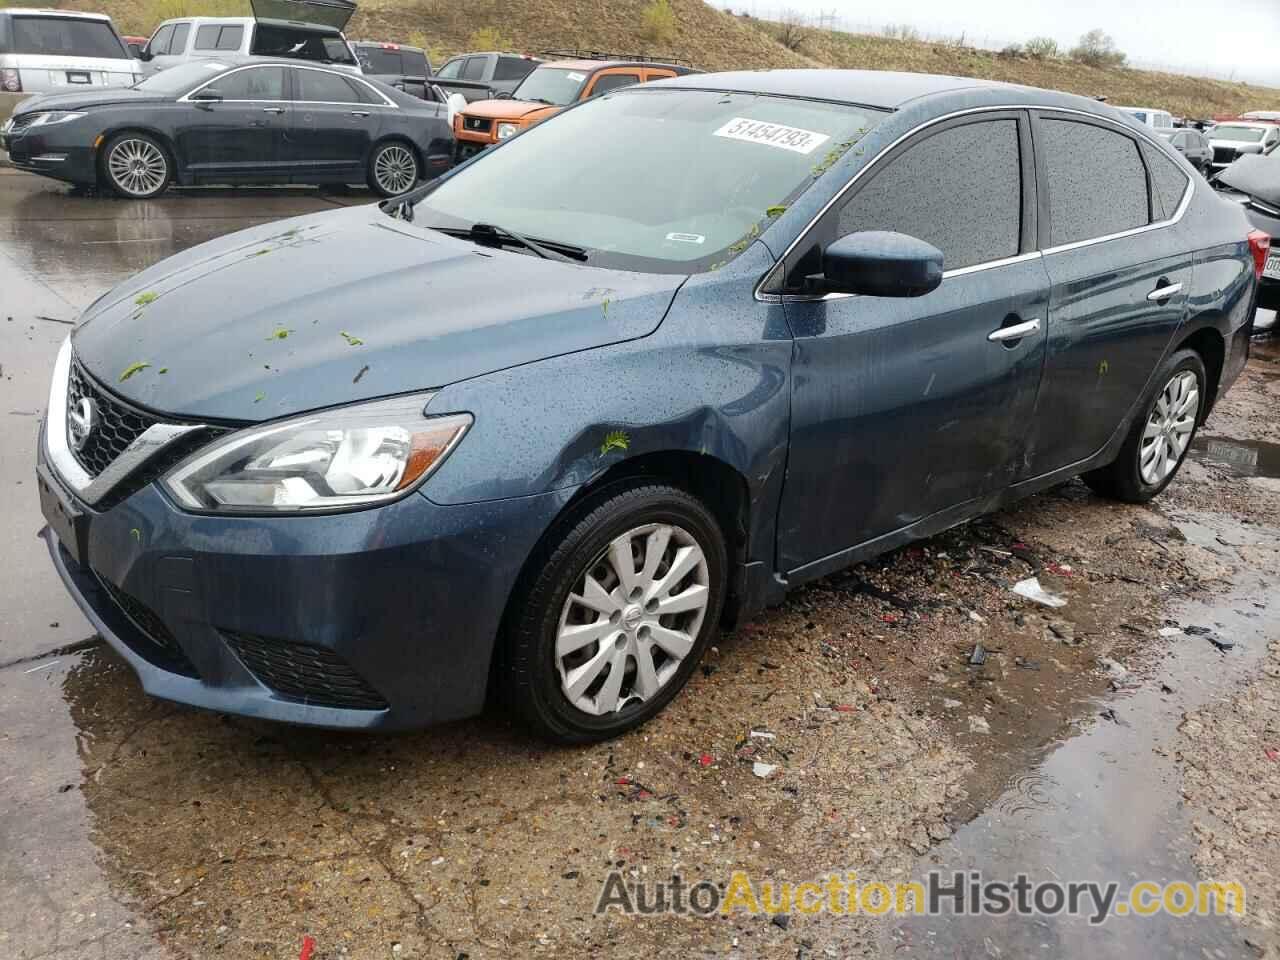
<point>492,233</point>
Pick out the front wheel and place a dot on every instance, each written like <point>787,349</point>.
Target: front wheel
<point>137,166</point>
<point>393,169</point>
<point>1158,441</point>
<point>609,626</point>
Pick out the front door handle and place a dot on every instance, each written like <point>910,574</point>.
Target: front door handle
<point>273,109</point>
<point>1164,293</point>
<point>1015,332</point>
<point>360,113</point>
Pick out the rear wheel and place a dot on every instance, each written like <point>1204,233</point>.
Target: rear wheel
<point>137,166</point>
<point>1158,441</point>
<point>393,169</point>
<point>615,618</point>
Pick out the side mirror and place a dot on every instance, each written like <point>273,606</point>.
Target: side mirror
<point>880,264</point>
<point>145,54</point>
<point>207,95</point>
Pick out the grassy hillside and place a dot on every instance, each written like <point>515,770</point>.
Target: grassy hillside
<point>716,40</point>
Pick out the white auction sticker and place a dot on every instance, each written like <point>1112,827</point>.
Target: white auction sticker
<point>772,135</point>
<point>576,77</point>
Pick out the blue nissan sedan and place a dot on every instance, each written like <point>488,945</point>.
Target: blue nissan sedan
<point>537,430</point>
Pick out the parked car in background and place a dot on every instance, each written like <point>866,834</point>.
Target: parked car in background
<point>547,90</point>
<point>484,75</point>
<point>675,351</point>
<point>295,29</point>
<point>395,64</point>
<point>1149,116</point>
<point>1254,182</point>
<point>233,120</point>
<point>135,45</point>
<point>45,50</point>
<point>1236,139</point>
<point>1268,116</point>
<point>1192,144</point>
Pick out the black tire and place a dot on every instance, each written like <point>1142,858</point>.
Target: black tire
<point>139,185</point>
<point>1122,478</point>
<point>528,674</point>
<point>394,168</point>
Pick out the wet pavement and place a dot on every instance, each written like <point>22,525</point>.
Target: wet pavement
<point>131,828</point>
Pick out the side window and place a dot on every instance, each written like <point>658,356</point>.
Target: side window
<point>319,86</point>
<point>160,42</point>
<point>230,37</point>
<point>213,36</point>
<point>1169,181</point>
<point>259,83</point>
<point>960,190</point>
<point>1097,183</point>
<point>450,70</point>
<point>612,81</point>
<point>415,63</point>
<point>207,37</point>
<point>474,69</point>
<point>512,68</point>
<point>179,42</point>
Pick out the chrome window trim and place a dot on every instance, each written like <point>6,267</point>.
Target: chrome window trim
<point>992,264</point>
<point>186,97</point>
<point>93,489</point>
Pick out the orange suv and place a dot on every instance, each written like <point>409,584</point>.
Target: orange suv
<point>549,89</point>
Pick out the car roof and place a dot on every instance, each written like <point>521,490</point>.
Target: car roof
<point>589,66</point>
<point>46,12</point>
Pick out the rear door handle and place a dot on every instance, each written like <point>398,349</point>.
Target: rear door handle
<point>273,109</point>
<point>360,113</point>
<point>1165,292</point>
<point>1015,332</point>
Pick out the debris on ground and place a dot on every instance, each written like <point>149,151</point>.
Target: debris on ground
<point>1031,589</point>
<point>979,655</point>
<point>979,725</point>
<point>764,770</point>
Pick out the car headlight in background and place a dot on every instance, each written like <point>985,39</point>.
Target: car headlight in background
<point>332,460</point>
<point>507,129</point>
<point>54,116</point>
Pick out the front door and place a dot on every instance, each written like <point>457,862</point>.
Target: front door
<point>907,410</point>
<point>241,135</point>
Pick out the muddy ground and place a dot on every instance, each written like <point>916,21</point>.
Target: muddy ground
<point>1113,731</point>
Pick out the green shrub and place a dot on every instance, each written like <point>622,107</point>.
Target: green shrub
<point>658,22</point>
<point>1097,49</point>
<point>1042,48</point>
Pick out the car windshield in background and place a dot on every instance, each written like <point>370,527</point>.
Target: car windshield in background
<point>555,85</point>
<point>178,80</point>
<point>683,180</point>
<point>1239,134</point>
<point>66,37</point>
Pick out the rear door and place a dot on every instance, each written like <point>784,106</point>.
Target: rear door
<point>334,122</point>
<point>904,409</point>
<point>1120,277</point>
<point>63,54</point>
<point>241,136</point>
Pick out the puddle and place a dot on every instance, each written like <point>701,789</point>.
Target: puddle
<point>1244,458</point>
<point>1105,804</point>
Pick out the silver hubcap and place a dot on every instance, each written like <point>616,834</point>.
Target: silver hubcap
<point>1169,428</point>
<point>395,169</point>
<point>632,618</point>
<point>137,167</point>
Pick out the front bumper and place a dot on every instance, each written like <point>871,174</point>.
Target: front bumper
<point>383,618</point>
<point>53,154</point>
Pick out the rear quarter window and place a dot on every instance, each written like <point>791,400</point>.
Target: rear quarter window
<point>1169,180</point>
<point>65,37</point>
<point>1097,183</point>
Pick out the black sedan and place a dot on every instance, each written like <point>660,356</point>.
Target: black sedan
<point>233,121</point>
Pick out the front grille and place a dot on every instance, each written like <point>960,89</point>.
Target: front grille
<point>477,124</point>
<point>161,648</point>
<point>117,426</point>
<point>1224,154</point>
<point>306,674</point>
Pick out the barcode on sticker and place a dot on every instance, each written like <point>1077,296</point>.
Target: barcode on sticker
<point>772,135</point>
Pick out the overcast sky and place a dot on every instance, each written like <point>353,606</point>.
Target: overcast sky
<point>1207,37</point>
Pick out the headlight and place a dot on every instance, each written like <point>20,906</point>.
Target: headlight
<point>55,116</point>
<point>332,460</point>
<point>507,129</point>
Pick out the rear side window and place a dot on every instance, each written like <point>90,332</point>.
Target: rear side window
<point>473,69</point>
<point>317,86</point>
<point>512,68</point>
<point>960,190</point>
<point>450,70</point>
<point>213,36</point>
<point>66,37</point>
<point>612,81</point>
<point>1169,181</point>
<point>179,42</point>
<point>1097,184</point>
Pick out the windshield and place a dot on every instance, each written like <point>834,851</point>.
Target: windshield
<point>1239,134</point>
<point>683,182</point>
<point>178,80</point>
<point>556,85</point>
<point>66,37</point>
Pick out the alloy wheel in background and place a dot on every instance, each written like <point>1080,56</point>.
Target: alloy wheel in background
<point>1169,428</point>
<point>394,170</point>
<point>137,166</point>
<point>632,618</point>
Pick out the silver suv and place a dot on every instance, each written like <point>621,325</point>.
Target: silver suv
<point>43,51</point>
<point>298,29</point>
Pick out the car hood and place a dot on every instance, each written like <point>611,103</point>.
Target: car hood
<point>343,306</point>
<point>505,109</point>
<point>1255,175</point>
<point>84,99</point>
